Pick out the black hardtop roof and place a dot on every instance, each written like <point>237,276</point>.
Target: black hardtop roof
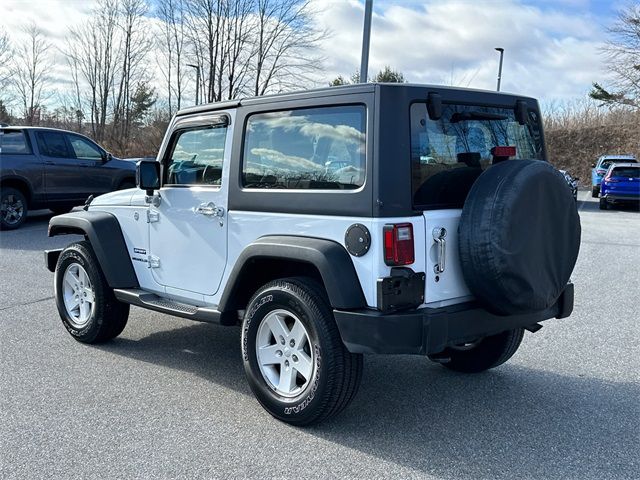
<point>334,91</point>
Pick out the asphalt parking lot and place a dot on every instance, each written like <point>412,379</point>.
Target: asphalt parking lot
<point>168,398</point>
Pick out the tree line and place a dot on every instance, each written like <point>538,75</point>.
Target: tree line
<point>120,55</point>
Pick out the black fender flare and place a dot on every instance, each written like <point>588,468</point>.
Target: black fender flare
<point>330,259</point>
<point>103,231</point>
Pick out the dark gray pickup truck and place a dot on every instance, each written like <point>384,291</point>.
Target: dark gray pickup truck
<point>55,169</point>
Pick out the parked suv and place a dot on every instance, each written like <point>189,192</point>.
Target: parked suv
<point>599,169</point>
<point>313,220</point>
<point>55,169</point>
<point>620,185</point>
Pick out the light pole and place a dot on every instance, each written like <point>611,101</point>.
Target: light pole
<point>501,50</point>
<point>197,67</point>
<point>366,37</point>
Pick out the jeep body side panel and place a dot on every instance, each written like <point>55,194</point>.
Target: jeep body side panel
<point>357,202</point>
<point>104,233</point>
<point>330,258</point>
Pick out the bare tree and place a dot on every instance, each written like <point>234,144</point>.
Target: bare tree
<point>132,59</point>
<point>172,47</point>
<point>284,39</point>
<point>622,53</point>
<point>5,56</point>
<point>29,72</point>
<point>92,48</point>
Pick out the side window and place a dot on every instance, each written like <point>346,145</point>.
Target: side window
<point>312,148</point>
<point>53,144</point>
<point>14,143</point>
<point>197,156</point>
<point>84,149</point>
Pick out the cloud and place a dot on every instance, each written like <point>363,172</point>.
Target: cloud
<point>551,47</point>
<point>549,54</point>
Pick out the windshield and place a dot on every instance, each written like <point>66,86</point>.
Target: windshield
<point>450,153</point>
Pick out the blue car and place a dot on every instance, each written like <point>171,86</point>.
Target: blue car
<point>621,184</point>
<point>599,169</point>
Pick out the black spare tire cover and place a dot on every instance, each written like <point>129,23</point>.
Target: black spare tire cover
<point>519,236</point>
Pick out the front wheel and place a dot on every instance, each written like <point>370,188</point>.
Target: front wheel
<point>483,354</point>
<point>294,358</point>
<point>87,306</point>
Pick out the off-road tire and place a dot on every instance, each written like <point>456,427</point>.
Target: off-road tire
<point>487,353</point>
<point>337,373</point>
<point>604,205</point>
<point>16,196</point>
<point>108,316</point>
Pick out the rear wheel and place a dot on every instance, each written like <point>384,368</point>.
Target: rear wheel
<point>604,205</point>
<point>294,358</point>
<point>483,354</point>
<point>595,191</point>
<point>86,304</point>
<point>13,208</point>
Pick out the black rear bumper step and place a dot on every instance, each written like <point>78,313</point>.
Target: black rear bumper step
<point>430,330</point>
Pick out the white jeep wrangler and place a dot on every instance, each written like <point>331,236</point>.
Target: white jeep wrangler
<point>374,218</point>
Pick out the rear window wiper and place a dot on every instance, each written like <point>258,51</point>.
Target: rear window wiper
<point>473,115</point>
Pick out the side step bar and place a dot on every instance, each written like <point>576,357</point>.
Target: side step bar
<point>143,299</point>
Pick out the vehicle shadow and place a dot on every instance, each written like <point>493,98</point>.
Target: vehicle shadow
<point>594,206</point>
<point>512,422</point>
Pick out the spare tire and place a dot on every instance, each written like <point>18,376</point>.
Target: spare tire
<point>519,236</point>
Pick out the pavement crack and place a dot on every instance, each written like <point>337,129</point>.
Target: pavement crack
<point>26,303</point>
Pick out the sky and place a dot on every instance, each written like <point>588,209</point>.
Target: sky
<point>551,46</point>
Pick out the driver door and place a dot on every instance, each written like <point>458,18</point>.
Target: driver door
<point>188,228</point>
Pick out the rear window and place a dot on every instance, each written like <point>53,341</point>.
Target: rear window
<point>311,148</point>
<point>607,163</point>
<point>628,172</point>
<point>13,143</point>
<point>448,155</point>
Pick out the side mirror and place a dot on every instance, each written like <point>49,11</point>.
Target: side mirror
<point>593,165</point>
<point>148,175</point>
<point>106,156</point>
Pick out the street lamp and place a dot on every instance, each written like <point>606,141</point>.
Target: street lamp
<point>501,50</point>
<point>197,67</point>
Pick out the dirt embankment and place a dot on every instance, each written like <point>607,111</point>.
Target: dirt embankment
<point>575,148</point>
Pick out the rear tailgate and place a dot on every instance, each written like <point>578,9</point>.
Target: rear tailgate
<point>447,285</point>
<point>624,181</point>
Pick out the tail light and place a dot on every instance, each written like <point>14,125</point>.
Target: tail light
<point>503,151</point>
<point>398,244</point>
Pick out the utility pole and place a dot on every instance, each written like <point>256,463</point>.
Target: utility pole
<point>366,37</point>
<point>197,67</point>
<point>501,50</point>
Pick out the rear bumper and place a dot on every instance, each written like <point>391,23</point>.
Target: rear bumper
<point>431,330</point>
<point>621,198</point>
